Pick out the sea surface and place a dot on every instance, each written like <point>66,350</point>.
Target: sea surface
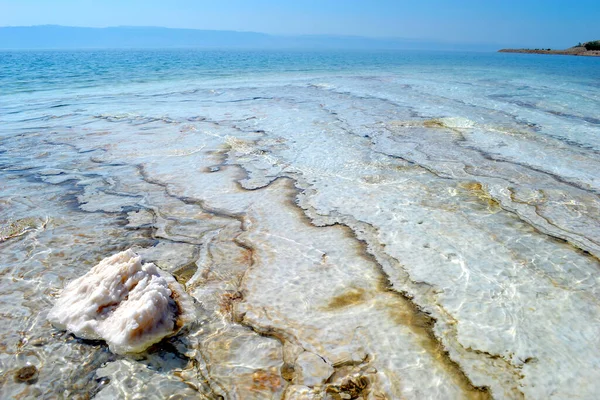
<point>351,225</point>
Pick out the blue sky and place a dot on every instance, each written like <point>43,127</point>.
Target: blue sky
<point>549,23</point>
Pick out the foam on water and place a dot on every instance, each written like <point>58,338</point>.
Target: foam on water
<point>350,224</point>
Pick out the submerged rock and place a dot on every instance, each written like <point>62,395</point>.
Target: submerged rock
<point>128,304</point>
<point>28,374</point>
<point>312,370</point>
<point>19,227</point>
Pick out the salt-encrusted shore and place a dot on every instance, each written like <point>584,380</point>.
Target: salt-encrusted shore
<point>410,233</point>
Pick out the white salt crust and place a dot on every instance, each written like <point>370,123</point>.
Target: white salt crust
<point>129,305</point>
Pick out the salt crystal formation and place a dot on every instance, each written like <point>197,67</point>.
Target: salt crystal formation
<point>129,305</point>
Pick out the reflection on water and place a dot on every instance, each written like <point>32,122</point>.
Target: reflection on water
<point>390,226</point>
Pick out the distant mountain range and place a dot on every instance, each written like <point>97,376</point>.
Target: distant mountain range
<point>66,37</point>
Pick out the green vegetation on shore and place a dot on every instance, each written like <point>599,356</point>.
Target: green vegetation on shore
<point>595,45</point>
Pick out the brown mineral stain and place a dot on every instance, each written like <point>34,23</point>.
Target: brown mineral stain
<point>265,380</point>
<point>245,258</point>
<point>178,315</point>
<point>102,133</point>
<point>143,326</point>
<point>184,273</point>
<point>83,235</point>
<point>350,388</point>
<point>227,301</point>
<point>28,374</point>
<point>477,190</point>
<point>433,123</point>
<point>287,372</point>
<point>350,297</point>
<point>103,307</point>
<point>403,312</point>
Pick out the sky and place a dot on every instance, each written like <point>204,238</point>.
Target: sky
<point>536,23</point>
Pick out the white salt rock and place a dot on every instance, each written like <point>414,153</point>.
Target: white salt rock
<point>312,370</point>
<point>129,305</point>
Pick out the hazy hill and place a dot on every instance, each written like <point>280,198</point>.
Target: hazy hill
<point>63,37</point>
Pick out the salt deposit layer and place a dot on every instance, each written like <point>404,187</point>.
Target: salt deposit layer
<point>347,225</point>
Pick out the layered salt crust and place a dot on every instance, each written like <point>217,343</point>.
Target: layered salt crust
<point>355,237</point>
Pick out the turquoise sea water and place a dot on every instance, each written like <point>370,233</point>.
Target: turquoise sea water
<point>30,71</point>
<point>376,224</point>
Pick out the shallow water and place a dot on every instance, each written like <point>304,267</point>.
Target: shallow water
<point>351,225</point>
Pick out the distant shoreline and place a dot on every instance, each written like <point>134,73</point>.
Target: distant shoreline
<point>573,51</point>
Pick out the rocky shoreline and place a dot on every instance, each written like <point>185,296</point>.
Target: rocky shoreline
<point>573,51</point>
